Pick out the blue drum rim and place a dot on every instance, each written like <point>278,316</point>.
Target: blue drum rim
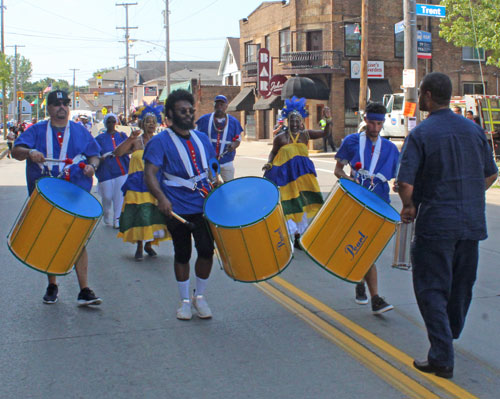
<point>341,182</point>
<point>243,225</point>
<point>64,209</point>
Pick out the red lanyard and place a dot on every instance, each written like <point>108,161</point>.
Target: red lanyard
<point>219,131</point>
<point>202,189</point>
<point>122,170</point>
<point>60,138</point>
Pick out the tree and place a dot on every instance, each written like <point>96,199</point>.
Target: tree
<point>5,70</point>
<point>24,70</point>
<point>102,71</point>
<point>473,23</point>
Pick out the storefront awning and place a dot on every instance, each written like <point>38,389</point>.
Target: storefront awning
<point>244,101</point>
<point>300,86</point>
<point>268,103</point>
<point>378,87</point>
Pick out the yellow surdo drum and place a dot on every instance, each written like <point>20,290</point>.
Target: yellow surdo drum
<point>350,231</point>
<point>54,226</point>
<point>249,228</point>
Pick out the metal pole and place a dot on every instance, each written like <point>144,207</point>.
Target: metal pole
<point>4,89</point>
<point>167,48</point>
<point>410,60</point>
<point>15,85</point>
<point>363,79</point>
<point>74,98</point>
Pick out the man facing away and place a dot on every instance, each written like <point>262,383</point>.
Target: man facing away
<point>224,131</point>
<point>446,166</point>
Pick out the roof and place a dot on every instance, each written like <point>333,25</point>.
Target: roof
<point>207,76</point>
<point>117,75</point>
<point>150,70</point>
<point>265,4</point>
<point>234,43</point>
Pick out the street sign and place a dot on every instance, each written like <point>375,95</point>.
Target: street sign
<point>104,110</point>
<point>264,70</point>
<point>429,10</point>
<point>424,45</point>
<point>399,27</point>
<point>409,78</point>
<point>375,70</point>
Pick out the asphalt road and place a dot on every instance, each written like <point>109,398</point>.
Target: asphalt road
<point>298,335</point>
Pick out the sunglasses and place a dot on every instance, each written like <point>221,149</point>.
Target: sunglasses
<point>185,111</point>
<point>60,102</point>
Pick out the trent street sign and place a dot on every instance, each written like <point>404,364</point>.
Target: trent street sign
<point>429,10</point>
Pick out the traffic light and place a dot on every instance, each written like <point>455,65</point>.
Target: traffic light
<point>96,95</point>
<point>40,95</point>
<point>77,95</point>
<point>20,95</point>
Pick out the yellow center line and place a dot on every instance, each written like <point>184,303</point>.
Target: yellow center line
<point>379,366</point>
<point>395,353</point>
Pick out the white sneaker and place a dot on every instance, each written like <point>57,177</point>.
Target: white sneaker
<point>201,306</point>
<point>116,224</point>
<point>184,311</point>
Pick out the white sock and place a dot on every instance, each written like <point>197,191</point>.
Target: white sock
<point>201,285</point>
<point>183,289</point>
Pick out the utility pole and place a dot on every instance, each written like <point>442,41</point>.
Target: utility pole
<point>167,48</point>
<point>74,99</point>
<point>17,105</point>
<point>4,89</point>
<point>127,39</point>
<point>363,79</point>
<point>410,55</point>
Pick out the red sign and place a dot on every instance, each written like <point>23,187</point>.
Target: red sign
<point>276,84</point>
<point>264,66</point>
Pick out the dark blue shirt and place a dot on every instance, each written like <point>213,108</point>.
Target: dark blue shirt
<point>446,158</point>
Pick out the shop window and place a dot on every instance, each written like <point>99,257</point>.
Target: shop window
<point>352,40</point>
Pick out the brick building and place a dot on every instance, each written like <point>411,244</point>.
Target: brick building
<point>316,45</point>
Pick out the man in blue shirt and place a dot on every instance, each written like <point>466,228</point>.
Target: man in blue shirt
<point>61,139</point>
<point>179,158</point>
<point>377,159</point>
<point>446,166</point>
<point>224,132</point>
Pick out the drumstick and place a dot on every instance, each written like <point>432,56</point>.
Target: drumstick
<point>189,225</point>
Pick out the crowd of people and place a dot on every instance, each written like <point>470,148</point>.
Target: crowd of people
<point>153,187</point>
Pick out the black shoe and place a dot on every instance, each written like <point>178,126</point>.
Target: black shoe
<point>440,371</point>
<point>50,296</point>
<point>150,251</point>
<point>379,305</point>
<point>87,297</point>
<point>296,243</point>
<point>361,298</point>
<point>138,255</point>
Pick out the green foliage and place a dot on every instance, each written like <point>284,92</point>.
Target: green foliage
<point>5,70</point>
<point>24,70</point>
<point>102,71</point>
<point>464,25</point>
<point>42,84</point>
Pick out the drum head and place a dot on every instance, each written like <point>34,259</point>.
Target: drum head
<point>69,197</point>
<point>370,200</point>
<point>241,202</point>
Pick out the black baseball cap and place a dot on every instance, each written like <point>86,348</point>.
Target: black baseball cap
<point>57,95</point>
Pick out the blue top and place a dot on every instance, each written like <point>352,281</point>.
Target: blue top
<point>370,200</point>
<point>386,165</point>
<point>80,142</point>
<point>446,158</point>
<point>111,167</point>
<point>69,197</point>
<point>161,152</point>
<point>234,129</point>
<point>241,202</point>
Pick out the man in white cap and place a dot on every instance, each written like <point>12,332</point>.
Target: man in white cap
<point>224,132</point>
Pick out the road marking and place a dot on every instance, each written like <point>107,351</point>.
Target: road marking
<point>377,365</point>
<point>395,353</point>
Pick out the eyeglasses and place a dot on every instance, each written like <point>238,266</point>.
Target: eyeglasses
<point>185,111</point>
<point>60,102</point>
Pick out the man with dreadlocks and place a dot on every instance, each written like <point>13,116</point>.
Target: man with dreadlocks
<point>291,169</point>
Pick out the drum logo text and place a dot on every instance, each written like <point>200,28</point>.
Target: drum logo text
<point>354,249</point>
<point>281,242</point>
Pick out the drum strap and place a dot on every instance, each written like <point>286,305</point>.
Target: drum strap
<point>376,153</point>
<point>191,183</point>
<point>50,148</point>
<point>220,144</point>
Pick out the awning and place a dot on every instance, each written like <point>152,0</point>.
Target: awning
<point>175,86</point>
<point>268,103</point>
<point>244,101</point>
<point>378,87</point>
<point>301,86</point>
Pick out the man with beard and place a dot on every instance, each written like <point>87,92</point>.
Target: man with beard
<point>446,166</point>
<point>224,132</point>
<point>61,139</point>
<point>180,156</point>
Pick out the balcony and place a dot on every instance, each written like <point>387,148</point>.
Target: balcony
<point>322,61</point>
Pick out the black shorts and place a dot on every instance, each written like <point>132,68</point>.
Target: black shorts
<point>181,237</point>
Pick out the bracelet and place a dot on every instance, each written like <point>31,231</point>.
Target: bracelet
<point>94,166</point>
<point>32,150</point>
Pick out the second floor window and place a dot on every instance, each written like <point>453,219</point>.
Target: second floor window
<point>472,88</point>
<point>399,44</point>
<point>352,40</point>
<point>285,42</point>
<point>251,50</point>
<point>472,54</point>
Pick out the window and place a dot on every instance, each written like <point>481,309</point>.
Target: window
<point>399,44</point>
<point>268,42</point>
<point>251,51</point>
<point>472,54</point>
<point>285,42</point>
<point>352,40</point>
<point>231,58</point>
<point>473,88</point>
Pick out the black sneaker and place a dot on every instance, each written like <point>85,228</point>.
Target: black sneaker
<point>296,243</point>
<point>379,305</point>
<point>50,296</point>
<point>87,297</point>
<point>361,298</point>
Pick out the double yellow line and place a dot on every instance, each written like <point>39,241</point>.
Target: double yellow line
<point>369,359</point>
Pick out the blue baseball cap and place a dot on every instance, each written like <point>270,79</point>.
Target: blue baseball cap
<point>220,97</point>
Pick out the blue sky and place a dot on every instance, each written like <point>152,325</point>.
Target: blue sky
<point>59,35</point>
